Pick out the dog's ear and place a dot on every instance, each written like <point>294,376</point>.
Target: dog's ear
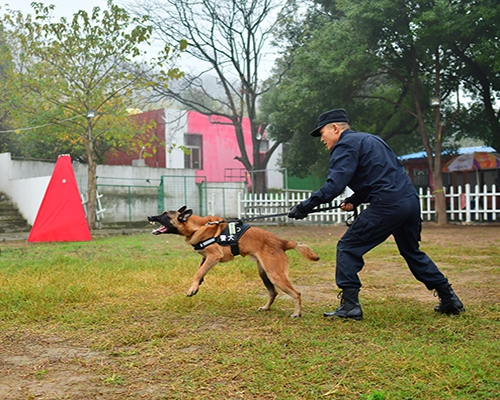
<point>181,210</point>
<point>183,216</point>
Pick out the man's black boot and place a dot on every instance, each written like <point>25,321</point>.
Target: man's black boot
<point>349,305</point>
<point>449,302</point>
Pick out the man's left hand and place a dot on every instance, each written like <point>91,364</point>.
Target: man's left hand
<point>347,206</point>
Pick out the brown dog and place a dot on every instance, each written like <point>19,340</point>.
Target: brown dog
<point>205,233</point>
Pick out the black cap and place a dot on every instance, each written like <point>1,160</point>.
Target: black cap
<point>335,115</point>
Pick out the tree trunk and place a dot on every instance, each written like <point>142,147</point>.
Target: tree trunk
<point>437,175</point>
<point>257,167</point>
<point>259,182</point>
<point>91,180</point>
<point>439,196</point>
<point>92,195</point>
<point>434,160</point>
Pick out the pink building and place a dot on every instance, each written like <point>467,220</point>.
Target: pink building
<point>213,146</point>
<point>211,141</point>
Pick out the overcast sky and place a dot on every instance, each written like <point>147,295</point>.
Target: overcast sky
<point>64,8</point>
<point>67,8</point>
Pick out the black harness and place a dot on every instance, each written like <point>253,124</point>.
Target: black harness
<point>228,237</point>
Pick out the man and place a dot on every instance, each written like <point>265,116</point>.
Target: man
<point>366,164</point>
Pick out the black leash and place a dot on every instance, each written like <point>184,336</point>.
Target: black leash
<point>320,209</point>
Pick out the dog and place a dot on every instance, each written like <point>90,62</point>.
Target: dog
<point>210,238</point>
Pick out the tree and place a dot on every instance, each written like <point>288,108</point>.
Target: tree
<point>6,134</point>
<point>329,66</point>
<point>227,39</point>
<point>382,60</point>
<point>474,40</point>
<point>77,77</point>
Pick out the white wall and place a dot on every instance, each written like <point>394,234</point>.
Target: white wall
<point>275,174</point>
<point>27,194</point>
<point>25,182</point>
<point>175,128</point>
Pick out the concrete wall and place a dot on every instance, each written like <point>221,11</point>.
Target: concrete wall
<point>25,183</point>
<point>129,194</point>
<point>27,194</point>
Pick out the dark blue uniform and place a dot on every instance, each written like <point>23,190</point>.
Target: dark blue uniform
<point>366,164</point>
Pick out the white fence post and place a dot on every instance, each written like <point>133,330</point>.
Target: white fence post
<point>494,195</point>
<point>467,204</point>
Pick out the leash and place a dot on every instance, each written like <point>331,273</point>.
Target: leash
<point>319,209</point>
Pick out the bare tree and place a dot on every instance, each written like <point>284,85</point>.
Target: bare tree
<point>228,40</point>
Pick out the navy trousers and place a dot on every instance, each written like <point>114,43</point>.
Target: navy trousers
<point>374,225</point>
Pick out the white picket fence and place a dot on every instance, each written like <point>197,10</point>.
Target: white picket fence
<point>466,204</point>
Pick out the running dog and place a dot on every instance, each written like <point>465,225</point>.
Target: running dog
<point>218,240</point>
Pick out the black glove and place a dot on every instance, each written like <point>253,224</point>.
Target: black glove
<point>297,212</point>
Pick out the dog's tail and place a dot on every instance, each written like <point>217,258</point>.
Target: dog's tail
<point>303,249</point>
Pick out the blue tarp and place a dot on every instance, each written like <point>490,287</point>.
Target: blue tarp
<point>463,150</point>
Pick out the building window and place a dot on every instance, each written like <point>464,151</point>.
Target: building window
<point>192,159</point>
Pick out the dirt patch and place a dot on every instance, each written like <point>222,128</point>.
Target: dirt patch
<point>45,367</point>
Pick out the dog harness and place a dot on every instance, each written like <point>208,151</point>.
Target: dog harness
<point>228,237</point>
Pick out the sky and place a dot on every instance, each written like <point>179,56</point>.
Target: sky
<point>63,7</point>
<point>67,8</point>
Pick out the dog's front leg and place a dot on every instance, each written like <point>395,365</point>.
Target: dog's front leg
<point>205,266</point>
<point>199,266</point>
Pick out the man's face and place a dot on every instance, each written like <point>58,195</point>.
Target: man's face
<point>330,134</point>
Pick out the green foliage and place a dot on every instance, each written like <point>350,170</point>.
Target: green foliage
<point>68,67</point>
<point>378,60</point>
<point>6,136</point>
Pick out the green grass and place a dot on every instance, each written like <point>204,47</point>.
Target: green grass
<point>123,298</point>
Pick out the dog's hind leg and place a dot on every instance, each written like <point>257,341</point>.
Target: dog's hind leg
<point>276,269</point>
<point>270,288</point>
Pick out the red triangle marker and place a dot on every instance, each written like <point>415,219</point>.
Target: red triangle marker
<point>61,217</point>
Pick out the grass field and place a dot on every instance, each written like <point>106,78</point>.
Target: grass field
<point>109,319</point>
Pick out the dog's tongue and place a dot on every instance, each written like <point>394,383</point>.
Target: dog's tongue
<point>160,230</point>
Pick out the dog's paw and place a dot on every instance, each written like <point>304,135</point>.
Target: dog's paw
<point>294,315</point>
<point>191,293</point>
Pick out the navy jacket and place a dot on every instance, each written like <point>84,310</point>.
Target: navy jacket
<point>366,164</point>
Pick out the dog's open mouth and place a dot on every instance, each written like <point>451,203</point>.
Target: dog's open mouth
<point>160,230</point>
<point>165,223</point>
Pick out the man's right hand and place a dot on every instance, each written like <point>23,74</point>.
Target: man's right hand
<point>297,212</point>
